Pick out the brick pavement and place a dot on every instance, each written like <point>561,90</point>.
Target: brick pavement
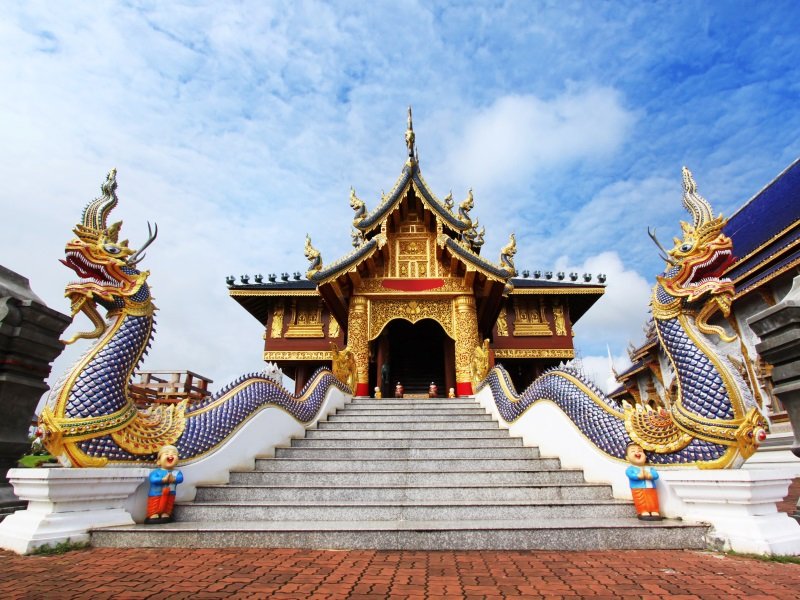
<point>318,574</point>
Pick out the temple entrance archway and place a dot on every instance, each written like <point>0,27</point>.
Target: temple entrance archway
<point>416,354</point>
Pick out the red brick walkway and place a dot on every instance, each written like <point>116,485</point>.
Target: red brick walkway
<point>311,574</point>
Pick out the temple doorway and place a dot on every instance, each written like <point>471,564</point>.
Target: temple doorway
<point>415,354</point>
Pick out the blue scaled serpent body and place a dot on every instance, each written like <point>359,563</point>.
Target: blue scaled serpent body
<point>90,418</point>
<point>713,420</point>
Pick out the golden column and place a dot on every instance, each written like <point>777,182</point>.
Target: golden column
<point>466,331</point>
<point>358,343</point>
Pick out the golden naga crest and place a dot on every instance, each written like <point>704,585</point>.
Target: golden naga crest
<point>697,263</point>
<point>105,265</point>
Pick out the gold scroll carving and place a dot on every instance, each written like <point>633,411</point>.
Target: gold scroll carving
<point>534,353</point>
<point>357,336</point>
<point>383,311</point>
<point>479,368</point>
<point>502,323</point>
<point>305,320</point>
<point>558,313</point>
<point>316,355</point>
<point>529,318</point>
<point>277,320</point>
<point>466,327</point>
<point>343,365</point>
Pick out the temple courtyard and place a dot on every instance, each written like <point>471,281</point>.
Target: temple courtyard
<point>365,574</point>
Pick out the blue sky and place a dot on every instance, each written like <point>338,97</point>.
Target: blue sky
<point>240,127</point>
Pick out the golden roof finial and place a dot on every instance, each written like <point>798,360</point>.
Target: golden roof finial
<point>410,136</point>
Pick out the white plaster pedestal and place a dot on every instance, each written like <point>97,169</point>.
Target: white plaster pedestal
<point>739,504</point>
<point>63,504</point>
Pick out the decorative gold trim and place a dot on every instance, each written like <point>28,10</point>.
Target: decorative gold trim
<point>792,265</point>
<point>315,355</point>
<point>770,258</point>
<point>246,293</point>
<point>556,291</point>
<point>534,353</point>
<point>304,331</point>
<point>767,243</point>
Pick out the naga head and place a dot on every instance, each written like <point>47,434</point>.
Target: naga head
<point>106,266</point>
<point>699,259</point>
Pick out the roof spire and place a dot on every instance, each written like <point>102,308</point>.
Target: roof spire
<point>410,137</point>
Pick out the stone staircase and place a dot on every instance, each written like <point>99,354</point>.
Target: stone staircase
<point>407,474</point>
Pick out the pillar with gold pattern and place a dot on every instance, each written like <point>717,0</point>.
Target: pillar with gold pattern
<point>466,341</point>
<point>358,343</point>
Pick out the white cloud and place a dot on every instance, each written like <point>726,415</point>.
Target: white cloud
<point>598,369</point>
<point>620,314</point>
<point>520,134</point>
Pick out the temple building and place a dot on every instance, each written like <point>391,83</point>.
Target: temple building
<point>766,242</point>
<point>415,301</point>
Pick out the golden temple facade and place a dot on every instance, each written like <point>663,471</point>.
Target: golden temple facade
<point>415,303</point>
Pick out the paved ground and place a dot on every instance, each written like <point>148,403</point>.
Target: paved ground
<point>311,574</point>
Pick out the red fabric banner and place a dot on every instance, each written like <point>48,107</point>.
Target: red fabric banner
<point>413,285</point>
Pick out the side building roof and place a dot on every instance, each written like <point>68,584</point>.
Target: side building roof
<point>766,232</point>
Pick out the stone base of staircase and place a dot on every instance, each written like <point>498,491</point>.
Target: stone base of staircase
<point>408,474</point>
<point>552,534</point>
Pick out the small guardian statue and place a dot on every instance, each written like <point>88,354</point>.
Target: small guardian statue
<point>163,482</point>
<point>643,483</point>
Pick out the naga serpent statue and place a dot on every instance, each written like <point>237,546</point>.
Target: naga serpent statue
<point>90,419</point>
<point>713,421</point>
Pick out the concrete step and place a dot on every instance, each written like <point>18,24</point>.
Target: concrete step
<point>473,477</point>
<point>513,534</point>
<point>397,453</point>
<point>412,418</point>
<point>434,402</point>
<point>436,442</point>
<point>405,426</point>
<point>395,434</point>
<point>406,410</point>
<point>544,492</point>
<point>400,511</point>
<point>405,465</point>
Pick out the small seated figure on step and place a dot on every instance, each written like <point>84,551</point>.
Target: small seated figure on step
<point>451,393</point>
<point>398,390</point>
<point>433,390</point>
<point>163,483</point>
<point>378,394</point>
<point>643,483</point>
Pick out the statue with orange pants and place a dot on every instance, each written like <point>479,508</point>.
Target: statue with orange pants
<point>643,486</point>
<point>163,483</point>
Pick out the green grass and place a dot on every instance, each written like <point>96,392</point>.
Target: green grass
<point>31,461</point>
<point>60,548</point>
<point>778,558</point>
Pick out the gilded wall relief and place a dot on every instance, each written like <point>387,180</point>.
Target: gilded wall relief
<point>502,323</point>
<point>277,320</point>
<point>305,318</point>
<point>530,318</point>
<point>558,314</point>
